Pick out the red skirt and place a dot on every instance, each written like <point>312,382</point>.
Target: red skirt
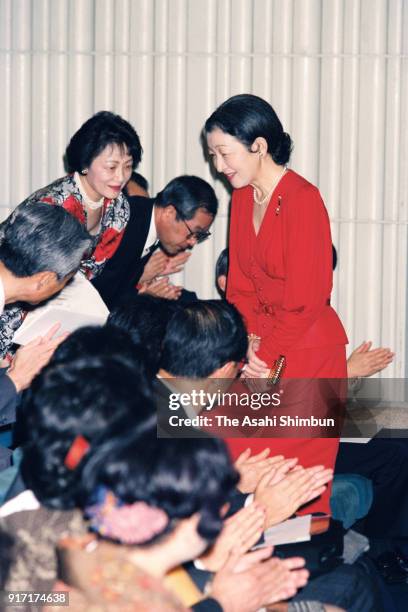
<point>328,362</point>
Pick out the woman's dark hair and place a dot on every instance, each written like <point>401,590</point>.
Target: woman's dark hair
<point>247,117</point>
<point>221,265</point>
<point>140,180</point>
<point>187,194</point>
<point>334,251</point>
<point>81,396</point>
<point>179,476</point>
<point>221,269</point>
<point>145,319</point>
<point>202,337</point>
<point>94,135</point>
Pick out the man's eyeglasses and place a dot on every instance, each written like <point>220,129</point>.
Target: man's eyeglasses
<point>199,235</point>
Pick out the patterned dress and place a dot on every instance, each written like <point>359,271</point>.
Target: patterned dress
<point>115,216</point>
<point>99,578</point>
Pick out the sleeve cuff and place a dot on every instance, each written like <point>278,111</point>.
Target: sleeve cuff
<point>207,605</point>
<point>249,500</point>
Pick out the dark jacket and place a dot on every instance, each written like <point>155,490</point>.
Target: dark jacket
<point>123,270</point>
<point>8,399</point>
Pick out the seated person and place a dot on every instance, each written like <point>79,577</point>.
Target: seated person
<point>145,318</point>
<point>76,394</point>
<point>165,504</point>
<point>41,248</point>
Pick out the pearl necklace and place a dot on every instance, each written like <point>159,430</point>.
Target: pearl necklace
<point>270,192</point>
<point>91,204</point>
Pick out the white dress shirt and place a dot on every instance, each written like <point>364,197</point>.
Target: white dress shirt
<point>152,238</point>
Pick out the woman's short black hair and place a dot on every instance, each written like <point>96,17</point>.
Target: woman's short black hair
<point>95,134</point>
<point>179,476</point>
<point>202,337</point>
<point>145,318</point>
<point>334,251</point>
<point>140,180</point>
<point>247,117</point>
<point>84,396</point>
<point>221,265</point>
<point>221,269</point>
<point>187,194</point>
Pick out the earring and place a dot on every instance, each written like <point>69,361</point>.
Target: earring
<point>84,171</point>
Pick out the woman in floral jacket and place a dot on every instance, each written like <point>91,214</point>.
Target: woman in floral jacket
<point>100,159</point>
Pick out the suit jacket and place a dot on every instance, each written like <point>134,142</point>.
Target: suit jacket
<point>8,404</point>
<point>8,399</point>
<point>123,270</point>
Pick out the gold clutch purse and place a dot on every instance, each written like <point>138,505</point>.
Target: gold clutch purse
<point>276,371</point>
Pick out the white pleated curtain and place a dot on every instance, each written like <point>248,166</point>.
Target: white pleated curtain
<point>335,71</point>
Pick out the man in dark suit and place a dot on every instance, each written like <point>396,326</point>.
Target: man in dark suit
<point>177,219</point>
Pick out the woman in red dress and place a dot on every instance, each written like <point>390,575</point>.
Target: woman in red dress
<point>280,271</point>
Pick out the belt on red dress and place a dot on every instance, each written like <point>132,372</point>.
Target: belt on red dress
<point>269,309</point>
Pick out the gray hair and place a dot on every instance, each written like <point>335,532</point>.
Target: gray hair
<point>40,237</point>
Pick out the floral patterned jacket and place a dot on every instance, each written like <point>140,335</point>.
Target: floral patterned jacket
<point>64,192</point>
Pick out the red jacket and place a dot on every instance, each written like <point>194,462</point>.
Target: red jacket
<point>281,279</point>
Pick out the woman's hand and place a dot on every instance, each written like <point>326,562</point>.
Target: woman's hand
<point>255,368</point>
<point>240,532</point>
<point>283,498</point>
<point>365,361</point>
<point>252,468</point>
<point>162,288</point>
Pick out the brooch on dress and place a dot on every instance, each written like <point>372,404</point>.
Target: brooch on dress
<point>277,209</point>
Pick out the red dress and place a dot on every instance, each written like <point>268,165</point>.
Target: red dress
<point>280,280</point>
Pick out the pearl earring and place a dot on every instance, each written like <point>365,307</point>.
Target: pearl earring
<point>85,171</point>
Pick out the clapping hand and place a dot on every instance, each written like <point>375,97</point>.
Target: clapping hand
<point>365,361</point>
<point>31,358</point>
<point>252,468</point>
<point>247,583</point>
<point>283,494</point>
<point>240,533</point>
